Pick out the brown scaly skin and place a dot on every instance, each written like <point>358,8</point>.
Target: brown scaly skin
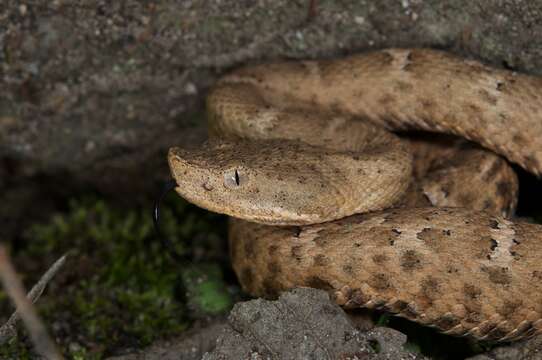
<point>283,182</point>
<point>417,89</point>
<point>452,172</point>
<point>462,271</point>
<point>293,152</point>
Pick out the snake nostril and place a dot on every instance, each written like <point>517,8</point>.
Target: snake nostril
<point>207,186</point>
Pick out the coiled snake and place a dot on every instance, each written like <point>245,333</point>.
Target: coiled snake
<point>329,198</point>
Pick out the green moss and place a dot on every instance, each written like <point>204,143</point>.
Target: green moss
<point>205,290</point>
<point>119,285</point>
<point>82,354</point>
<point>412,347</point>
<point>15,349</point>
<point>383,319</point>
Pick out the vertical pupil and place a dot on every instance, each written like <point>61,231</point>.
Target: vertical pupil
<point>236,178</point>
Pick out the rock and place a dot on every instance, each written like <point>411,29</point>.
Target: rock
<point>98,93</point>
<point>302,324</point>
<point>190,346</point>
<point>530,349</point>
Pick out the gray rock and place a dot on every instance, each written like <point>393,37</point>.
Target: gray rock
<point>530,349</point>
<point>302,324</point>
<point>190,346</point>
<point>98,93</point>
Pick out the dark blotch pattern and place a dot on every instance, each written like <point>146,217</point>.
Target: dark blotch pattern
<point>270,287</point>
<point>386,100</point>
<point>509,307</point>
<point>296,252</point>
<point>272,250</point>
<point>411,260</point>
<point>403,86</point>
<point>380,281</point>
<point>447,322</point>
<point>273,267</point>
<point>385,237</point>
<point>318,283</point>
<point>430,287</point>
<point>321,241</point>
<point>246,278</point>
<point>497,274</point>
<point>380,259</point>
<point>428,104</point>
<point>321,260</point>
<point>348,269</point>
<point>472,292</point>
<point>434,238</point>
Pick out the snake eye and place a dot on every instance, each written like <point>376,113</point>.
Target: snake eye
<point>234,179</point>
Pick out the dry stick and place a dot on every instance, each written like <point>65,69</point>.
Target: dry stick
<point>8,330</point>
<point>14,288</point>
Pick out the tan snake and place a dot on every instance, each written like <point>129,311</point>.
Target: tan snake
<point>305,145</point>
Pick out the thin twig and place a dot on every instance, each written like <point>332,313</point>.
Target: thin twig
<point>15,290</point>
<point>9,330</point>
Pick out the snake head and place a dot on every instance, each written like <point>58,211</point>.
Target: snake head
<point>286,182</point>
<point>271,182</point>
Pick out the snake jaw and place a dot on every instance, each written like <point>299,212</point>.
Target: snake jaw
<point>283,182</point>
<point>212,178</point>
<point>212,188</point>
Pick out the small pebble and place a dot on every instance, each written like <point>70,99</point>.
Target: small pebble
<point>190,89</point>
<point>23,9</point>
<point>360,20</point>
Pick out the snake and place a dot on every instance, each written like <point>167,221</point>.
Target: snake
<point>383,178</point>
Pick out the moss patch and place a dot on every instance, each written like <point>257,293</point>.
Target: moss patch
<point>119,287</point>
<point>205,291</point>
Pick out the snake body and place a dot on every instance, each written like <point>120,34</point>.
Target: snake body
<point>301,155</point>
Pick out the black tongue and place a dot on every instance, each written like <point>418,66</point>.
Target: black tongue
<point>168,186</point>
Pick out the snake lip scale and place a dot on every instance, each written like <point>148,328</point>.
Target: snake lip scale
<point>322,193</point>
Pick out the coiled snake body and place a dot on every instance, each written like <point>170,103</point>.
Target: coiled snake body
<point>329,198</point>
